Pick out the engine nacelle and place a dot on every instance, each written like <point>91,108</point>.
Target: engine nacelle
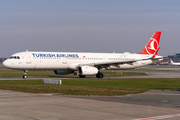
<point>63,71</point>
<point>87,70</point>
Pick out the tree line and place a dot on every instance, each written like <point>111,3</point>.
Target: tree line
<point>2,59</point>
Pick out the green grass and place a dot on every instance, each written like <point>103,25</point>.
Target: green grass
<point>102,87</point>
<point>2,67</point>
<point>20,73</point>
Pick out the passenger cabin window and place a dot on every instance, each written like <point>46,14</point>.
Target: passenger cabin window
<point>14,57</point>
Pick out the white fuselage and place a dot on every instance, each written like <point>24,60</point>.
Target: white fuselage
<point>71,60</point>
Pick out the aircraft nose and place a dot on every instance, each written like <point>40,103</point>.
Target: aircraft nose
<point>6,63</point>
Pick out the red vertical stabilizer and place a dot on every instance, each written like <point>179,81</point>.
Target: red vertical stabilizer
<point>152,46</point>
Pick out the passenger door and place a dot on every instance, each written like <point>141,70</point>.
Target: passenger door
<point>28,58</point>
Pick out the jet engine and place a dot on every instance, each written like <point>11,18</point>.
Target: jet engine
<point>87,70</point>
<point>63,71</point>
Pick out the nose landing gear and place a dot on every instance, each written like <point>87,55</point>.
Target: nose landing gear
<point>25,74</point>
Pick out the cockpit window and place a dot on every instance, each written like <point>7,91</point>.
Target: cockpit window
<point>14,57</point>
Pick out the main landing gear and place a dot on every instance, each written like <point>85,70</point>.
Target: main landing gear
<point>99,75</point>
<point>25,74</point>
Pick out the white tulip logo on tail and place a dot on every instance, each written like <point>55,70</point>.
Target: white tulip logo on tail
<point>152,46</point>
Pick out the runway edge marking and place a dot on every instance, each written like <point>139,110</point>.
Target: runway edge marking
<point>160,117</point>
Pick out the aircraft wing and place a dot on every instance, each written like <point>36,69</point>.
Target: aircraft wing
<point>113,63</point>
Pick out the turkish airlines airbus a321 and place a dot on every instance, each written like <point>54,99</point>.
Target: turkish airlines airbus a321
<point>84,63</point>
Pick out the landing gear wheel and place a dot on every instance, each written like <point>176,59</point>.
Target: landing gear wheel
<point>82,76</point>
<point>24,76</point>
<point>99,75</point>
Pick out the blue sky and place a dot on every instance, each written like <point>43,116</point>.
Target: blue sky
<point>88,26</point>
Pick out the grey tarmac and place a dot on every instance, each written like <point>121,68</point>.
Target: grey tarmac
<point>26,106</point>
